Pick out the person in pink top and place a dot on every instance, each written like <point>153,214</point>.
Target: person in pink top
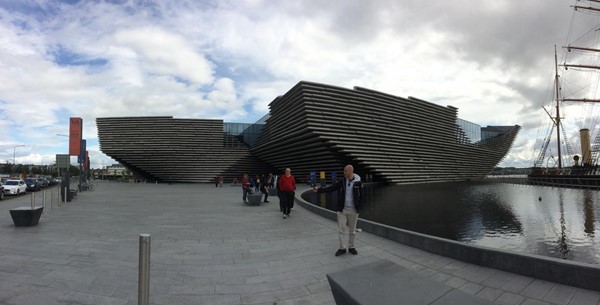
<point>287,187</point>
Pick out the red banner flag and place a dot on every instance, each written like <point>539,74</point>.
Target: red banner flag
<point>75,133</point>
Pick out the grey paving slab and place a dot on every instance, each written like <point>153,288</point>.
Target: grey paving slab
<point>585,297</point>
<point>534,302</point>
<point>208,248</point>
<point>538,289</point>
<point>471,288</point>
<point>457,297</point>
<point>490,293</point>
<point>508,298</point>
<point>560,294</point>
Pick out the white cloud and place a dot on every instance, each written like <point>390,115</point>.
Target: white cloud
<point>165,53</point>
<point>230,59</point>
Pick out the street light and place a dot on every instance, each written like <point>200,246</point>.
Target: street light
<point>15,156</point>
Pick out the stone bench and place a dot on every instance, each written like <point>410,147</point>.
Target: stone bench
<point>255,199</point>
<point>272,192</point>
<point>384,282</point>
<point>26,216</point>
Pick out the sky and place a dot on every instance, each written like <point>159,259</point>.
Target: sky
<point>493,60</point>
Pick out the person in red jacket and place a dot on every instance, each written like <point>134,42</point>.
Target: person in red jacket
<point>245,187</point>
<point>287,187</point>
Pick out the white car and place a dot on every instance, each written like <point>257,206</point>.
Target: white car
<point>14,187</point>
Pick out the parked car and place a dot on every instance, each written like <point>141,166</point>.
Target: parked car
<point>15,187</point>
<point>43,182</point>
<point>33,184</point>
<point>52,181</point>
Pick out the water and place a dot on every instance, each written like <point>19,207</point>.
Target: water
<point>556,222</point>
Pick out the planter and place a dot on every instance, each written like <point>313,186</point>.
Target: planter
<point>254,199</point>
<point>26,216</point>
<point>273,192</point>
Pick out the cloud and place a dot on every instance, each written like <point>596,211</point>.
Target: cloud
<point>230,59</point>
<point>160,52</point>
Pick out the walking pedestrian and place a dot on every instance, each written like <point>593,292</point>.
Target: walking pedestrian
<point>263,188</point>
<point>277,180</point>
<point>245,188</point>
<point>351,197</point>
<point>287,187</point>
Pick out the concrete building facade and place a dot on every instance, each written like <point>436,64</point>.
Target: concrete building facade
<point>313,127</point>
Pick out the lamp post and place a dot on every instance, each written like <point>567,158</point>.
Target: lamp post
<point>15,156</point>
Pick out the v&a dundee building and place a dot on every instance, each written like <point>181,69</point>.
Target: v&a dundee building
<point>313,127</point>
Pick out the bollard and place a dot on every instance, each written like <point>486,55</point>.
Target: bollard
<point>51,199</point>
<point>44,201</point>
<point>32,200</point>
<point>66,192</point>
<point>144,273</point>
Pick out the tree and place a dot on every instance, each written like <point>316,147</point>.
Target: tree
<point>6,168</point>
<point>73,170</point>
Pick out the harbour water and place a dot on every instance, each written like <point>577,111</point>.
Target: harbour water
<point>556,222</point>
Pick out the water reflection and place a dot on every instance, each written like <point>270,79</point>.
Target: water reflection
<point>531,219</point>
<point>563,245</point>
<point>588,212</point>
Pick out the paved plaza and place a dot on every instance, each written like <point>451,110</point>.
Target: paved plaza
<point>209,248</point>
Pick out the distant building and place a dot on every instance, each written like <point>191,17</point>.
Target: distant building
<point>111,172</point>
<point>313,127</point>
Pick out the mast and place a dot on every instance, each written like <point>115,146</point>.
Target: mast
<point>588,8</point>
<point>571,48</point>
<point>557,119</point>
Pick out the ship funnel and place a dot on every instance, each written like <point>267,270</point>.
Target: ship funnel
<point>586,148</point>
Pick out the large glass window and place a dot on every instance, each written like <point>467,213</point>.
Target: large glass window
<point>238,133</point>
<point>472,130</point>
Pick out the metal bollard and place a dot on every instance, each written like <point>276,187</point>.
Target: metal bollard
<point>32,200</point>
<point>51,199</point>
<point>144,273</point>
<point>44,201</point>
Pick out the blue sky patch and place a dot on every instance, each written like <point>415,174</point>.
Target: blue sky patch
<point>65,57</point>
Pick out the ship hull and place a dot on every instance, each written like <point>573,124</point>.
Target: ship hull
<point>569,181</point>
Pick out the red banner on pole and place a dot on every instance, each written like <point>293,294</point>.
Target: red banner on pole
<point>75,133</point>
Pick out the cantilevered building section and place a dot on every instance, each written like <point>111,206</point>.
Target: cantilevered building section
<point>314,127</point>
<point>398,140</point>
<point>178,150</point>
